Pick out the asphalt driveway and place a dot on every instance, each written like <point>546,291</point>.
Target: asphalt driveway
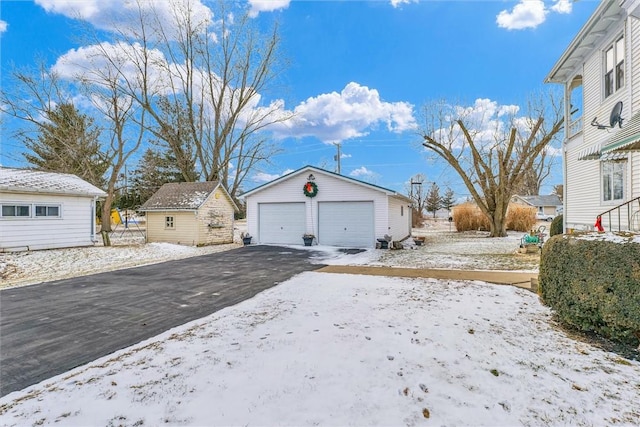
<point>49,328</point>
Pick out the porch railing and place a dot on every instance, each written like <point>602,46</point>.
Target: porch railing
<point>625,216</point>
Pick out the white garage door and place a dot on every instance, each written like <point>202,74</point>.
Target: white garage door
<point>281,223</point>
<point>346,224</point>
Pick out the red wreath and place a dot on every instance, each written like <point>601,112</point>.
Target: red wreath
<point>310,189</point>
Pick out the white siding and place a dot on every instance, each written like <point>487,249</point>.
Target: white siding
<point>399,219</point>
<point>74,228</point>
<point>330,188</point>
<point>184,231</point>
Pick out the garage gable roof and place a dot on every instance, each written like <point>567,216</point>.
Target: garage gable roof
<point>313,169</point>
<point>31,181</point>
<point>183,196</point>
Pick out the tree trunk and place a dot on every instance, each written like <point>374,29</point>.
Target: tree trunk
<point>105,216</point>
<point>498,224</point>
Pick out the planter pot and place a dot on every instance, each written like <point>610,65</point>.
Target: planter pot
<point>246,240</point>
<point>308,241</point>
<point>417,242</point>
<point>384,244</point>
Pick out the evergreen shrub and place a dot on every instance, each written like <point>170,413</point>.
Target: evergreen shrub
<point>593,284</point>
<point>556,226</point>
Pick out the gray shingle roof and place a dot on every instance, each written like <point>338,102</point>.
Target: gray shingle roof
<point>180,196</point>
<point>548,200</point>
<point>31,181</point>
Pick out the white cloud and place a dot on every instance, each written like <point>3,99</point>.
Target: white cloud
<point>362,172</point>
<point>268,177</point>
<point>258,6</point>
<point>345,156</point>
<point>123,14</point>
<point>526,14</point>
<point>3,26</point>
<point>398,3</point>
<point>334,117</point>
<point>562,6</point>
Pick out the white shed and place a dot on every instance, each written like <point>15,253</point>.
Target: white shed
<point>45,210</point>
<point>337,210</point>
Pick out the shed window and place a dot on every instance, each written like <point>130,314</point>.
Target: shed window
<point>401,210</point>
<point>168,222</point>
<point>16,210</point>
<point>50,211</point>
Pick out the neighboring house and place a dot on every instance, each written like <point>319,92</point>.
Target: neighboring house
<point>46,210</point>
<point>547,205</point>
<point>343,212</point>
<point>190,213</point>
<point>600,72</point>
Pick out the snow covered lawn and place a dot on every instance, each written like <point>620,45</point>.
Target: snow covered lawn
<point>325,349</point>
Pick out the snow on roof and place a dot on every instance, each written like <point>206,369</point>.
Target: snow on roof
<point>180,196</point>
<point>31,181</point>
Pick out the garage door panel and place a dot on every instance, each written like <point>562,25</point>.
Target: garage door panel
<point>281,223</point>
<point>346,224</point>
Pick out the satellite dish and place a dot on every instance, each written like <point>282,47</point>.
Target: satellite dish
<point>614,118</point>
<point>615,115</point>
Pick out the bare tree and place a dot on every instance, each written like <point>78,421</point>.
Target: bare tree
<point>533,177</point>
<point>210,76</point>
<point>417,191</point>
<point>491,149</point>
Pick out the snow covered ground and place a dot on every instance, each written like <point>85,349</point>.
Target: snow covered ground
<point>332,349</point>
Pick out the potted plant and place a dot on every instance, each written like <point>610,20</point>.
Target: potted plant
<point>308,239</point>
<point>246,238</point>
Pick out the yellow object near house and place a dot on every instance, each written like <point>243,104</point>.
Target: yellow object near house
<point>116,218</point>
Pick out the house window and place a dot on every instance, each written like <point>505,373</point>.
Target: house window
<point>16,210</point>
<point>49,211</point>
<point>614,67</point>
<point>168,222</point>
<point>613,181</point>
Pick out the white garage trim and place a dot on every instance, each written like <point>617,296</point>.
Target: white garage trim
<point>281,223</point>
<point>346,224</point>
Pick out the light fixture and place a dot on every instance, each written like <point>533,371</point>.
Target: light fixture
<point>311,177</point>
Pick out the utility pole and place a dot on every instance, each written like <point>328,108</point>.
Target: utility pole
<point>337,157</point>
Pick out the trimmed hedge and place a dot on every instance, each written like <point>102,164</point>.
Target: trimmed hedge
<point>593,283</point>
<point>556,226</point>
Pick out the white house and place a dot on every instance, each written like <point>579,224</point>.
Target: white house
<point>544,204</point>
<point>45,210</point>
<point>190,213</point>
<point>337,210</point>
<point>600,72</point>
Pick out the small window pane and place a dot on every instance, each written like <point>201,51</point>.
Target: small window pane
<point>53,211</point>
<point>609,60</point>
<point>619,75</point>
<point>8,210</point>
<point>41,211</point>
<point>608,84</point>
<point>620,50</point>
<point>22,210</point>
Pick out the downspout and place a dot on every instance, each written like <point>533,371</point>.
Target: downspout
<point>93,219</point>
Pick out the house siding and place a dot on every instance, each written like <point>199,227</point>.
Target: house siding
<point>184,231</point>
<point>73,229</point>
<point>330,188</point>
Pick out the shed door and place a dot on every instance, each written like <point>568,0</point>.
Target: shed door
<point>346,224</point>
<point>281,223</point>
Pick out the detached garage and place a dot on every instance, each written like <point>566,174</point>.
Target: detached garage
<point>335,209</point>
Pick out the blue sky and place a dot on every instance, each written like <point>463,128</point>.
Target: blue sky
<point>359,70</point>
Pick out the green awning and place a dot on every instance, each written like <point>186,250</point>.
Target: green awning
<point>590,153</point>
<point>626,139</point>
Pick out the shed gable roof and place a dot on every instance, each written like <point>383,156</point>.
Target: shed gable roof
<point>309,168</point>
<point>547,200</point>
<point>30,181</point>
<point>182,196</point>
